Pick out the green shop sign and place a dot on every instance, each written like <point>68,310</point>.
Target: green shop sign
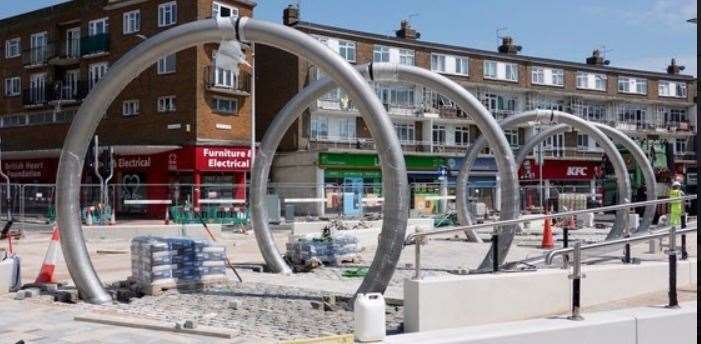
<point>332,173</point>
<point>371,161</point>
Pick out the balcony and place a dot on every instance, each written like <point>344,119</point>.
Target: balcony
<point>67,54</point>
<point>341,143</point>
<point>225,81</point>
<point>95,45</point>
<point>37,56</point>
<point>67,93</point>
<point>34,97</point>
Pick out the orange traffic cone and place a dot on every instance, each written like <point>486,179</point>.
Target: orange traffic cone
<point>548,240</point>
<point>46,274</point>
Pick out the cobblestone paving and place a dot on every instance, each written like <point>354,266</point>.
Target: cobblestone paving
<point>251,309</point>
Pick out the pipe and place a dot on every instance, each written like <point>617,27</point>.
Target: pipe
<point>188,35</point>
<point>620,139</point>
<point>547,117</point>
<point>386,255</point>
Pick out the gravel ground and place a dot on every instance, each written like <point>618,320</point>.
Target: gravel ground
<point>251,309</point>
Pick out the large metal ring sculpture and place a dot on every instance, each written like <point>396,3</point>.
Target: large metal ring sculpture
<point>620,139</point>
<point>386,257</point>
<point>546,117</point>
<point>184,36</point>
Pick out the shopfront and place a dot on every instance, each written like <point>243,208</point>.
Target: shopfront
<point>567,176</point>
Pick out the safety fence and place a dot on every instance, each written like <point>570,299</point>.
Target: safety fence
<point>229,203</point>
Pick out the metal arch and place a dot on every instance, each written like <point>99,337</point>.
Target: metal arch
<point>178,38</point>
<point>385,72</point>
<point>549,116</point>
<point>618,138</point>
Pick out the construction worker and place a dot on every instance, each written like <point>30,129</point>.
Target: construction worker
<point>676,208</point>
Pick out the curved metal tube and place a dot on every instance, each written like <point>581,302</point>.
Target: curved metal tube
<point>645,166</point>
<point>618,138</point>
<point>181,37</point>
<point>548,117</point>
<point>386,72</point>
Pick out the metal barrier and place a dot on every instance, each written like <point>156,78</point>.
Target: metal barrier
<point>419,238</point>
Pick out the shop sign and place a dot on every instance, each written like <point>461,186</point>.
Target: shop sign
<point>346,160</point>
<point>134,162</point>
<point>222,159</point>
<point>559,170</point>
<point>25,168</point>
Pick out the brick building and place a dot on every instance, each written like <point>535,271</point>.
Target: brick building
<point>331,144</point>
<point>182,120</point>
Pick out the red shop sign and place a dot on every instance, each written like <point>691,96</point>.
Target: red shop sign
<point>559,169</point>
<point>222,159</point>
<point>38,168</point>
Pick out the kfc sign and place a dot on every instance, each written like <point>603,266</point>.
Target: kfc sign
<point>223,159</point>
<point>559,170</point>
<point>576,171</point>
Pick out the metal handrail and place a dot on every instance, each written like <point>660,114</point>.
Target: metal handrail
<point>413,236</point>
<point>658,234</point>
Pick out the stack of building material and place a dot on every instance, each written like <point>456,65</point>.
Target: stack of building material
<point>330,250</point>
<point>175,261</point>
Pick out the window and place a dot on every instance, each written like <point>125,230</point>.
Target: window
<point>346,128</point>
<point>130,107</point>
<point>591,112</point>
<point>95,73</point>
<point>490,69</point>
<point>462,136</point>
<point>167,14</point>
<point>633,114</point>
<point>511,71</point>
<point>406,132</point>
<point>38,51</point>
<point>680,146</point>
<point>73,42</point>
<point>499,105</point>
<point>131,22</point>
<point>582,142</point>
<point>438,63</point>
<point>222,11</point>
<point>12,48</point>
<point>512,137</point>
<point>98,27</point>
<point>547,76</point>
<point>439,134</point>
<point>225,105</point>
<point>380,54</point>
<point>500,71</point>
<point>407,57</point>
<point>632,85</point>
<point>591,81</point>
<point>13,86</point>
<point>37,88</point>
<point>166,104</point>
<point>347,50</point>
<point>461,65</point>
<point>69,89</point>
<point>319,127</point>
<point>672,89</point>
<point>166,64</point>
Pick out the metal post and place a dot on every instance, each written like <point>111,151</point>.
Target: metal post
<point>565,244</point>
<point>685,253</point>
<point>626,252</point>
<point>417,254</point>
<point>673,300</point>
<point>576,278</point>
<point>495,252</point>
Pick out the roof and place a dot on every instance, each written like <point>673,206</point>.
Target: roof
<point>332,30</point>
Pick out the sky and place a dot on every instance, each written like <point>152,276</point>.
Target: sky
<point>640,34</point>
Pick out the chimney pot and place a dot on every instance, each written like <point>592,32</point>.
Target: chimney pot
<point>508,47</point>
<point>406,31</point>
<point>674,68</point>
<point>597,59</point>
<point>290,15</point>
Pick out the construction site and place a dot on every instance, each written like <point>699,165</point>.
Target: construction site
<point>499,234</point>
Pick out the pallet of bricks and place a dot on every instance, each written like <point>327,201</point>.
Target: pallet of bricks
<point>332,250</point>
<point>159,264</point>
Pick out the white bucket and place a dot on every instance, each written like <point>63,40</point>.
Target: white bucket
<point>369,317</point>
<point>633,221</point>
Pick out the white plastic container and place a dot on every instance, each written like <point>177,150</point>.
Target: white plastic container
<point>633,221</point>
<point>369,317</point>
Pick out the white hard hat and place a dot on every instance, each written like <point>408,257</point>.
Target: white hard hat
<point>676,183</point>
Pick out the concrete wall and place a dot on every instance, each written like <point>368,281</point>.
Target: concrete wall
<point>303,179</point>
<point>631,326</point>
<point>448,302</point>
